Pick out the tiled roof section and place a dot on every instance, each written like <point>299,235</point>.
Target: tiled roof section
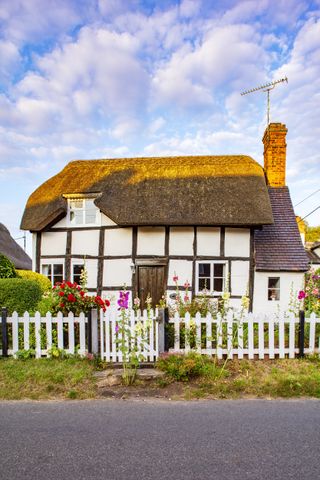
<point>278,247</point>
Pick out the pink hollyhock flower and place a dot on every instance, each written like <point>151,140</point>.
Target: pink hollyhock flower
<point>187,284</point>
<point>301,295</point>
<point>315,291</point>
<point>186,298</point>
<point>117,328</point>
<point>175,278</point>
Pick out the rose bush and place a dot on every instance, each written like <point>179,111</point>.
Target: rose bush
<point>71,297</point>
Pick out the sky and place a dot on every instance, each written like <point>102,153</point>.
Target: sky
<point>83,79</point>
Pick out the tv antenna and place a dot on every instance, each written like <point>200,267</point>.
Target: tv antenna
<point>266,88</point>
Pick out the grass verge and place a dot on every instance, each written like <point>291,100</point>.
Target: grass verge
<point>45,379</point>
<point>243,378</point>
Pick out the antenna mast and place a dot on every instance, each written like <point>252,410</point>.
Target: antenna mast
<point>266,88</point>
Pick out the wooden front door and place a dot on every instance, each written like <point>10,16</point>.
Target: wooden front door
<point>151,280</point>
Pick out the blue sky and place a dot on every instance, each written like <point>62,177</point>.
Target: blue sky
<point>111,78</point>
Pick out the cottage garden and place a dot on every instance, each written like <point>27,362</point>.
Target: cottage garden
<point>205,351</point>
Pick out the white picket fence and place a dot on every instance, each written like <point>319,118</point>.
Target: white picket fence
<point>146,346</point>
<point>247,335</point>
<point>68,332</point>
<point>244,335</point>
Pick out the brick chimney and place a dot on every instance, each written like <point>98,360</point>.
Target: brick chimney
<point>274,141</point>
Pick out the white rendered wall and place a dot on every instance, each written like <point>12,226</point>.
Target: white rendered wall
<point>106,221</point>
<point>237,242</point>
<point>181,268</point>
<point>61,224</point>
<point>208,241</point>
<point>181,241</point>
<point>85,242</point>
<point>239,277</point>
<point>92,271</point>
<point>288,281</point>
<point>117,272</point>
<point>317,252</point>
<point>151,241</point>
<point>34,251</point>
<point>53,243</point>
<point>118,241</point>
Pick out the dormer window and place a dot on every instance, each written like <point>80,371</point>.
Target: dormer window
<point>82,211</point>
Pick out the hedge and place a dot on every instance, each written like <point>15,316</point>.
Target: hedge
<point>20,295</point>
<point>7,269</point>
<point>42,280</point>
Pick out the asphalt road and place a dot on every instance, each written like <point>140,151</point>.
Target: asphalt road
<point>124,440</point>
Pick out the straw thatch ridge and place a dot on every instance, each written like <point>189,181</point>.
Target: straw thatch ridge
<point>204,190</point>
<point>11,249</point>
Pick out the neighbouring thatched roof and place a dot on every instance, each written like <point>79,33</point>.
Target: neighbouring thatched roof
<point>199,190</point>
<point>11,249</point>
<point>279,247</point>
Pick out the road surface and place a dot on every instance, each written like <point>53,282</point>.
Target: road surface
<point>124,440</point>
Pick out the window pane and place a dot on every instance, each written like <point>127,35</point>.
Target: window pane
<point>90,216</point>
<point>218,270</point>
<point>218,284</point>
<point>78,203</point>
<point>46,270</point>
<point>57,273</point>
<point>274,282</point>
<point>204,284</point>
<point>77,269</point>
<point>204,270</point>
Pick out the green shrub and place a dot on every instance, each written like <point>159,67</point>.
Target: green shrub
<point>43,281</point>
<point>7,269</point>
<point>184,367</point>
<point>19,294</point>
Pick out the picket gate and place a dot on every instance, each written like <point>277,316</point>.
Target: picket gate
<point>146,345</point>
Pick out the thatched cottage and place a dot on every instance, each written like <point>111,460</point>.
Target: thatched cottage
<point>12,250</point>
<point>211,220</point>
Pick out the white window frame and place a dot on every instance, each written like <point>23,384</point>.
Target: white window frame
<point>211,263</point>
<point>277,289</point>
<point>52,264</point>
<point>82,209</point>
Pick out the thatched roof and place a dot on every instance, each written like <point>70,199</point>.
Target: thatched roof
<point>11,249</point>
<point>199,190</point>
<point>279,247</point>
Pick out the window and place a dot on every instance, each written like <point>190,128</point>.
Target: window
<point>82,211</point>
<point>274,288</point>
<point>211,276</point>
<point>53,271</point>
<point>76,272</point>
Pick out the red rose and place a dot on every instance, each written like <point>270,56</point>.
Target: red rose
<point>61,305</point>
<point>69,284</point>
<point>71,297</point>
<point>107,303</point>
<point>82,294</point>
<point>63,285</point>
<point>61,294</point>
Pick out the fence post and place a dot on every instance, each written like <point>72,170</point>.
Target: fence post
<point>89,331</point>
<point>301,333</point>
<point>4,315</point>
<point>94,332</point>
<point>166,333</point>
<point>163,333</point>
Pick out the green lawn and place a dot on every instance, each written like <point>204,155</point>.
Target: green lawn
<point>46,379</point>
